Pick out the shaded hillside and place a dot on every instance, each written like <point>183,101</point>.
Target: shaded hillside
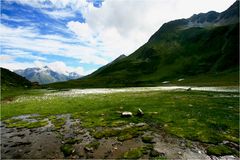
<point>205,45</point>
<point>10,80</point>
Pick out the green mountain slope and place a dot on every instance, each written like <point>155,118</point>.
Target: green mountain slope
<point>11,80</point>
<point>202,50</point>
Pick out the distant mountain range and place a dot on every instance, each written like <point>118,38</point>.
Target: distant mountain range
<point>45,75</point>
<point>203,49</point>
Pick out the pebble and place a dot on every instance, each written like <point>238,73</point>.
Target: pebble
<point>180,153</point>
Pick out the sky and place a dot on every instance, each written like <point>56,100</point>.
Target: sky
<point>83,35</point>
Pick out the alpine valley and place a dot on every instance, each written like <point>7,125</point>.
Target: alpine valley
<point>175,97</point>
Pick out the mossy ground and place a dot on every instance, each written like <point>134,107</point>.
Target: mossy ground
<point>94,145</point>
<point>67,149</point>
<point>134,153</point>
<point>122,134</point>
<point>147,139</point>
<point>58,122</point>
<point>19,123</point>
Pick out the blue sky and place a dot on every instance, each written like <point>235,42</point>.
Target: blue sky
<point>83,35</point>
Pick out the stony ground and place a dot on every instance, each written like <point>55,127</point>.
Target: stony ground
<point>71,140</point>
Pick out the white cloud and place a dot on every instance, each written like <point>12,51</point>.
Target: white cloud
<point>6,58</point>
<point>14,65</point>
<point>59,14</point>
<point>6,17</point>
<point>21,54</point>
<point>82,30</point>
<point>29,39</point>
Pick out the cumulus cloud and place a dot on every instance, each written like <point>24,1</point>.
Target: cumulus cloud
<point>82,30</point>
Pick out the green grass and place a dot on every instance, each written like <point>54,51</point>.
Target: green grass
<point>199,116</point>
<point>220,150</point>
<point>12,93</point>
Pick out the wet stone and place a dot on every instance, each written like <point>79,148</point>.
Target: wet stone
<point>155,153</point>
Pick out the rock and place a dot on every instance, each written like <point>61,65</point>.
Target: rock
<point>180,153</point>
<point>182,144</point>
<point>141,124</point>
<point>165,82</point>
<point>126,114</point>
<point>189,89</point>
<point>228,157</point>
<point>88,149</point>
<point>140,113</point>
<point>181,79</point>
<point>155,153</point>
<point>231,145</point>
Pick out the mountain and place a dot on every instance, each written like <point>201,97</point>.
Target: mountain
<point>200,50</point>
<point>12,80</point>
<point>46,75</point>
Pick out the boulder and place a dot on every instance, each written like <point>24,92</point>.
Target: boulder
<point>189,89</point>
<point>126,114</point>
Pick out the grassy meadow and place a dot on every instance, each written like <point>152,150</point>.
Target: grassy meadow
<point>206,117</point>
